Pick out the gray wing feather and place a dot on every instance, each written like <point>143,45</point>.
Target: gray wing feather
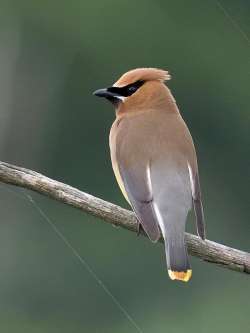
<point>197,202</point>
<point>198,208</point>
<point>172,202</point>
<point>140,196</point>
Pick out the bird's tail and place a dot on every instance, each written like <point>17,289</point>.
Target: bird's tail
<point>176,252</point>
<point>177,258</point>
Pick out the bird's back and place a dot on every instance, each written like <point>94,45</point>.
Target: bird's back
<point>165,140</point>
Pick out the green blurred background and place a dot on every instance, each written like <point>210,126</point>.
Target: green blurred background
<point>53,54</point>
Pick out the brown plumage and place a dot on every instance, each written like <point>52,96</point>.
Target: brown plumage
<point>154,161</point>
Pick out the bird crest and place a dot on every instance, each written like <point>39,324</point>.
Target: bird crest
<point>142,74</point>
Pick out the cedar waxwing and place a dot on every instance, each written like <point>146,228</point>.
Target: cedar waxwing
<point>154,161</point>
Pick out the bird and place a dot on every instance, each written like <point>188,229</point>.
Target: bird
<point>154,161</point>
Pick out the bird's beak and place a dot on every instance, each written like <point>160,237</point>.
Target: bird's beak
<point>104,93</point>
<point>112,96</point>
<point>101,92</point>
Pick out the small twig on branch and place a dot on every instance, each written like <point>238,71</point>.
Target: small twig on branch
<point>206,250</point>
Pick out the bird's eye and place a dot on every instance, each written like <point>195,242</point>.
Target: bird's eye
<point>127,90</point>
<point>132,89</point>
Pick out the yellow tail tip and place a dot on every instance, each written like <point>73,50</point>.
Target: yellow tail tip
<point>182,276</point>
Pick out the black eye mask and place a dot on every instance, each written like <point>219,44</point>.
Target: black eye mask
<point>126,91</point>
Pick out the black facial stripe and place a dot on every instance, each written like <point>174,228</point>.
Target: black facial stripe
<point>128,90</point>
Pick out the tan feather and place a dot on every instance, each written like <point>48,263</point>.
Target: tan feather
<point>144,74</point>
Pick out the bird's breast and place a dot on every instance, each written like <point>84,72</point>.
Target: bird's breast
<point>114,160</point>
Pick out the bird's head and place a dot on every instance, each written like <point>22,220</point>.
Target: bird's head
<point>137,89</point>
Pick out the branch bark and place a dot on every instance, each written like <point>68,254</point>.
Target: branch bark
<point>206,250</point>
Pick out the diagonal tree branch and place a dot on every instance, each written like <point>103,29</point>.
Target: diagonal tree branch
<point>206,250</point>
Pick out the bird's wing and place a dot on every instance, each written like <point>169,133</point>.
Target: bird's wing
<point>172,202</point>
<point>138,188</point>
<point>160,195</point>
<point>197,202</point>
